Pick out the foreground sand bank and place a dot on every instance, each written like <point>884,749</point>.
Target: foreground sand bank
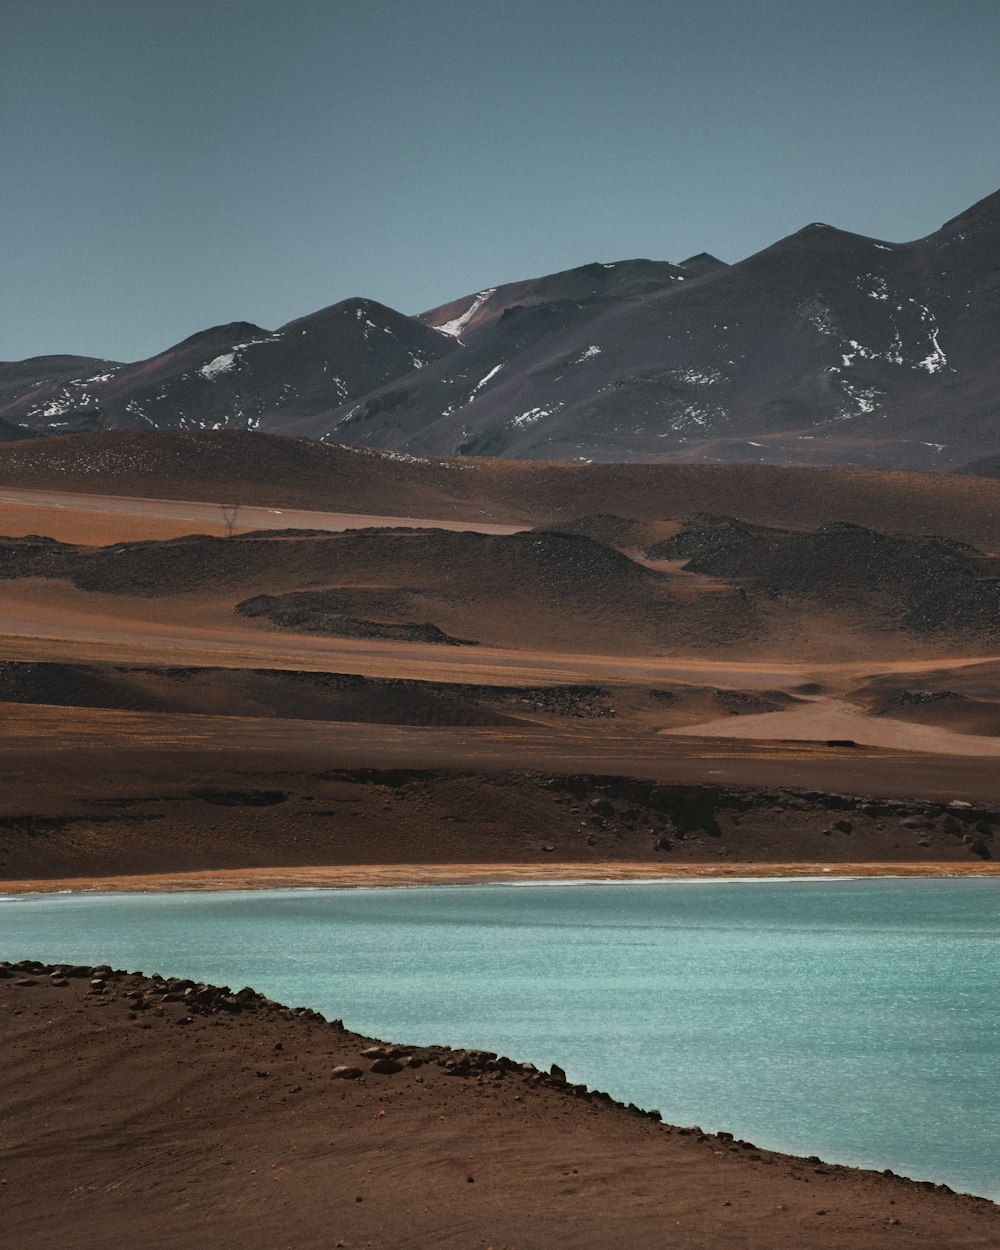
<point>354,876</point>
<point>255,1127</point>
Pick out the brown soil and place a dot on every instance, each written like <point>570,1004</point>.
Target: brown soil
<point>123,1126</point>
<point>150,731</point>
<point>963,700</point>
<point>202,793</point>
<point>276,472</point>
<point>383,876</point>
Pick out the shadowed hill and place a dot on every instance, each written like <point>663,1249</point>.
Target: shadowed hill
<point>226,466</point>
<point>234,375</point>
<point>927,585</point>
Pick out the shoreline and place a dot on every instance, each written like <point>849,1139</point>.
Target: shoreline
<point>296,1129</point>
<point>368,876</point>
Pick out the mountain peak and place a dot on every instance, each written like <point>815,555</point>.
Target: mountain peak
<point>702,263</point>
<point>986,208</point>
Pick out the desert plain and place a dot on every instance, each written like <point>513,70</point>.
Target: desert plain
<point>234,660</point>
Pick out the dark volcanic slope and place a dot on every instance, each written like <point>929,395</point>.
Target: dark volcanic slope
<point>278,693</point>
<point>826,346</point>
<point>590,284</point>
<point>14,433</point>
<point>926,585</point>
<point>986,466</point>
<point>238,376</point>
<point>20,376</point>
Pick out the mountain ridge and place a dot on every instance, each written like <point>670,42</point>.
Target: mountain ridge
<point>826,347</point>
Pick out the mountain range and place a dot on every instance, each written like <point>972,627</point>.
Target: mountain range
<point>825,348</point>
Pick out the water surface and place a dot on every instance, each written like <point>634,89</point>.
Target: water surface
<point>856,1020</point>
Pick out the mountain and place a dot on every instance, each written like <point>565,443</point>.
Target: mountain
<point>237,375</point>
<point>589,284</point>
<point>825,348</point>
<point>13,433</point>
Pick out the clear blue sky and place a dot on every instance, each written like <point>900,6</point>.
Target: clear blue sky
<point>166,165</point>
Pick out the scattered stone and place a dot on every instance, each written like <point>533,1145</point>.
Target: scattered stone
<point>344,1072</point>
<point>386,1066</point>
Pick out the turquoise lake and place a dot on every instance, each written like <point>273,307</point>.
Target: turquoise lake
<point>856,1020</point>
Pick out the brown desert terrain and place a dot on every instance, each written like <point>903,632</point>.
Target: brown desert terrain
<point>785,653</point>
<point>254,1125</point>
<point>397,670</point>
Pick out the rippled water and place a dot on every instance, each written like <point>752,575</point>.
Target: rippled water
<point>857,1020</point>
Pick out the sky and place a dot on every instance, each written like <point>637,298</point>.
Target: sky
<point>167,165</point>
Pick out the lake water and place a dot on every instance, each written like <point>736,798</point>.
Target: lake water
<point>856,1020</point>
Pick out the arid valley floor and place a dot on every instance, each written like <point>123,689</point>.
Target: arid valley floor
<point>389,668</point>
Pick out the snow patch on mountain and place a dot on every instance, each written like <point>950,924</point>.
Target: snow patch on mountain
<point>482,382</point>
<point>533,415</point>
<point>227,361</point>
<point>588,354</point>
<point>220,365</point>
<point>455,327</point>
<point>864,399</point>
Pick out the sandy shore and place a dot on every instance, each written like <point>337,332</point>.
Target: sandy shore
<point>354,876</point>
<point>257,1127</point>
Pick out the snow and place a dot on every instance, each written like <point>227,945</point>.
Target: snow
<point>864,398</point>
<point>455,327</point>
<point>694,415</point>
<point>933,362</point>
<point>215,368</point>
<point>482,381</point>
<point>592,351</point>
<point>400,457</point>
<point>227,361</point>
<point>894,355</point>
<point>694,377</point>
<point>55,407</point>
<point>936,360</point>
<point>524,419</point>
<point>818,315</point>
